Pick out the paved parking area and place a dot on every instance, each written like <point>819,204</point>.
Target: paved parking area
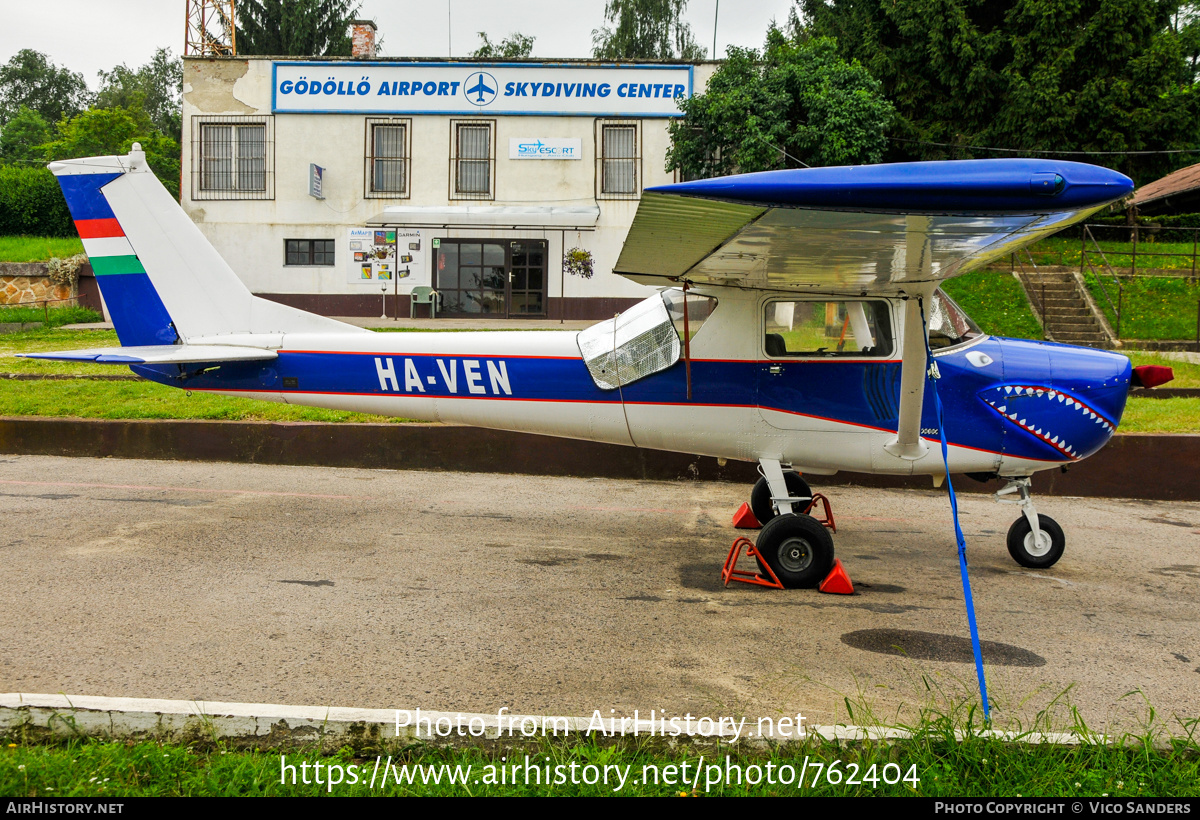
<point>471,592</point>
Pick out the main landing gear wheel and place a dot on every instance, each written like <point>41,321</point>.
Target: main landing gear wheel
<point>1036,553</point>
<point>760,496</point>
<point>798,549</point>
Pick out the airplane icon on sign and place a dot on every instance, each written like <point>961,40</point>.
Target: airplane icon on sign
<point>484,93</point>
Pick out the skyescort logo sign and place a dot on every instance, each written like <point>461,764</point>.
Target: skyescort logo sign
<point>544,148</point>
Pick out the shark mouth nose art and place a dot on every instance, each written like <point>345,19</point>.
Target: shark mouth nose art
<point>1057,417</point>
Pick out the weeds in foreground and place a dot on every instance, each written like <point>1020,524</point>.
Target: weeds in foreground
<point>947,751</point>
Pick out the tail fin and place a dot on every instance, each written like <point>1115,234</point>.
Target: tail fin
<point>162,280</point>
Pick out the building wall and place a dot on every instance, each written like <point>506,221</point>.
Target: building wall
<point>250,233</point>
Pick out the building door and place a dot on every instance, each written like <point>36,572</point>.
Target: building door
<point>492,277</point>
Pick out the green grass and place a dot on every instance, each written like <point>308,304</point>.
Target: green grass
<point>1187,374</point>
<point>37,248</point>
<point>47,339</point>
<point>52,317</point>
<point>147,400</point>
<point>935,764</point>
<point>1144,415</point>
<point>997,303</point>
<point>1152,307</point>
<point>1068,251</point>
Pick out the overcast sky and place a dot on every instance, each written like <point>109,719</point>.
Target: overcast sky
<point>89,35</point>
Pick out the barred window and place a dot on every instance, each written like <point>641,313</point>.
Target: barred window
<point>472,160</point>
<point>310,252</point>
<point>232,158</point>
<point>387,158</point>
<point>620,161</point>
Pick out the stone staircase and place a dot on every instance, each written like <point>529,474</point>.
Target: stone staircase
<point>1065,309</point>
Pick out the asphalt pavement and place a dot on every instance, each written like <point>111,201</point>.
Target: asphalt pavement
<point>471,592</point>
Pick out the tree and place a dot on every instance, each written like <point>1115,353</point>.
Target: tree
<point>101,131</point>
<point>515,46</point>
<point>298,28</point>
<point>23,137</point>
<point>797,103</point>
<point>154,87</point>
<point>646,30</point>
<point>29,79</point>
<point>1028,75</point>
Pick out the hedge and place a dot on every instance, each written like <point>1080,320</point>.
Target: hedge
<point>31,203</point>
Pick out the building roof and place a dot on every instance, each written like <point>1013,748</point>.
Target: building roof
<point>1175,193</point>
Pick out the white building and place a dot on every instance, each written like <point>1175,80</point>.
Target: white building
<point>328,183</point>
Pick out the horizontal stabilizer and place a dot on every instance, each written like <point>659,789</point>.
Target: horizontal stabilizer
<point>159,354</point>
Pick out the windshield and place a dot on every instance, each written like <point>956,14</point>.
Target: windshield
<point>949,325</point>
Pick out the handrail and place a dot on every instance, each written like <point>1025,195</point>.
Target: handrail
<point>1116,309</point>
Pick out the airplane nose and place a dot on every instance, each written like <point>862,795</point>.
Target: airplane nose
<point>1100,379</point>
<point>1058,402</point>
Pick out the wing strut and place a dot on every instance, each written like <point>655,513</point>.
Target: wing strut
<point>918,259</point>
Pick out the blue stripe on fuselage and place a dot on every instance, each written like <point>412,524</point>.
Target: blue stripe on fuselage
<point>833,390</point>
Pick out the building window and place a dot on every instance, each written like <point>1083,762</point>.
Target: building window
<point>388,158</point>
<point>310,252</point>
<point>472,159</point>
<point>618,159</point>
<point>233,158</point>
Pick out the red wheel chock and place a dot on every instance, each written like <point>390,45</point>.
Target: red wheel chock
<point>837,582</point>
<point>827,520</point>
<point>730,572</point>
<point>744,519</point>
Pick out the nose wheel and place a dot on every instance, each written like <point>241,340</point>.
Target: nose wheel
<point>1034,541</point>
<point>1036,551</point>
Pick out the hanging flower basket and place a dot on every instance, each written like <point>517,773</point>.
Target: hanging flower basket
<point>578,262</point>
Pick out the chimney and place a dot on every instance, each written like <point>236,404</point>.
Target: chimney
<point>362,33</point>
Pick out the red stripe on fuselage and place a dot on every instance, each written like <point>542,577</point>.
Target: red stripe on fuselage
<point>98,228</point>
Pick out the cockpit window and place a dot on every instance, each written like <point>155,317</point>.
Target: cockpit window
<point>948,324</point>
<point>809,327</point>
<point>699,308</point>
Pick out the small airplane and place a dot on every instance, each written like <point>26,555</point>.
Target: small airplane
<point>798,325</point>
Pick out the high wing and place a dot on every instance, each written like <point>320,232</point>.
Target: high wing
<point>882,229</point>
<point>893,230</point>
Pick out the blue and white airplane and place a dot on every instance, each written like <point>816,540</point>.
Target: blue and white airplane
<point>798,325</point>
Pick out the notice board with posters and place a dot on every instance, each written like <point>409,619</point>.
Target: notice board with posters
<point>392,256</point>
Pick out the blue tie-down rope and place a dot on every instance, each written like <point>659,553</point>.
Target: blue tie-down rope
<point>932,377</point>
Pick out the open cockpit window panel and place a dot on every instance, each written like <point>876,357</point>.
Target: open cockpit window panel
<point>699,308</point>
<point>818,328</point>
<point>949,325</point>
<point>638,343</point>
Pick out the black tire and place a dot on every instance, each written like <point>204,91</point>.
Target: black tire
<point>798,549</point>
<point>1021,546</point>
<point>760,496</point>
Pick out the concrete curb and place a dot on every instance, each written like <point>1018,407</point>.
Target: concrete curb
<point>329,728</point>
<point>1132,465</point>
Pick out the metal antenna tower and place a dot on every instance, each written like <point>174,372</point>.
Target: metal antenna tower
<point>210,29</point>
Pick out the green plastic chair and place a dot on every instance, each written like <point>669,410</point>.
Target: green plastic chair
<point>423,296</point>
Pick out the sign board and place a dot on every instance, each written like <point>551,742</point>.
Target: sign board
<point>544,148</point>
<point>464,88</point>
<point>315,181</point>
<point>387,255</point>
